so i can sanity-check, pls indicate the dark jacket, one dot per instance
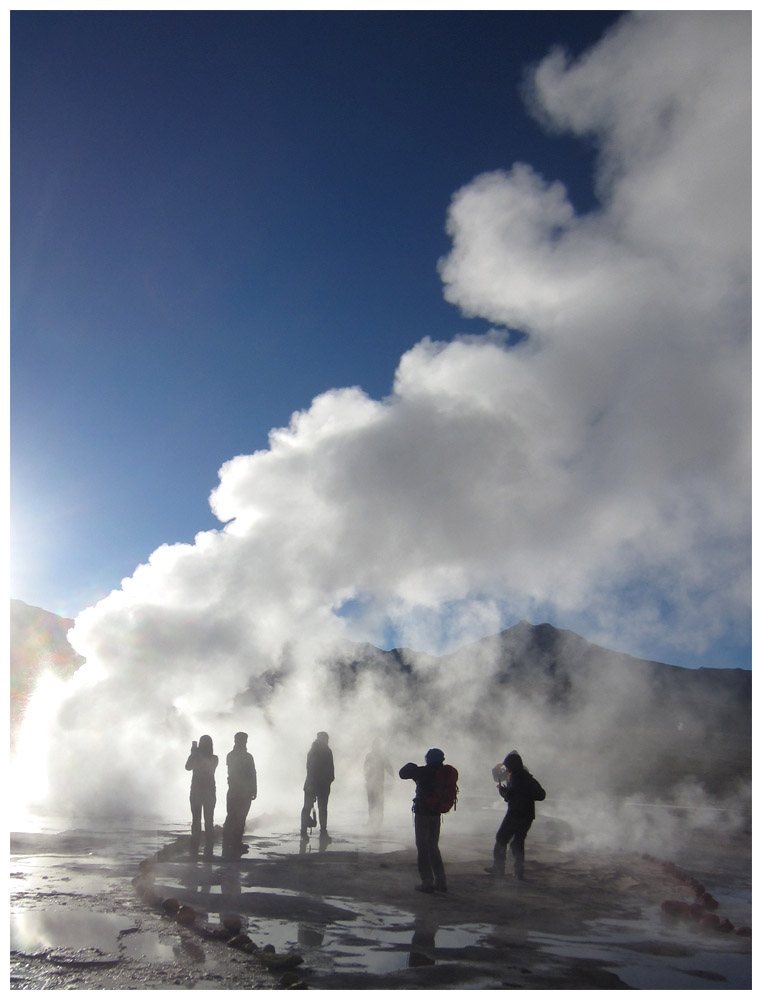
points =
(424, 778)
(521, 793)
(203, 766)
(242, 774)
(319, 767)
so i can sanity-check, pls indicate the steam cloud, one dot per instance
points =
(600, 466)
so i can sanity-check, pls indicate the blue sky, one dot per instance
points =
(218, 217)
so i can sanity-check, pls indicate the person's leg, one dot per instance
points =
(309, 802)
(322, 805)
(517, 850)
(437, 865)
(503, 835)
(244, 805)
(195, 805)
(228, 834)
(372, 805)
(209, 826)
(423, 845)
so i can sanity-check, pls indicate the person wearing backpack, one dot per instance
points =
(520, 790)
(435, 793)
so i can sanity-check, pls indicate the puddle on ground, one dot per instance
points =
(350, 936)
(669, 956)
(376, 939)
(96, 935)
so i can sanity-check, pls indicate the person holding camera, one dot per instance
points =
(203, 793)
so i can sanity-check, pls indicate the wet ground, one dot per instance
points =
(127, 909)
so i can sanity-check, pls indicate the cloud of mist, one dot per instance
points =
(599, 466)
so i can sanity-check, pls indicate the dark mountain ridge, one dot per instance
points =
(630, 723)
(544, 686)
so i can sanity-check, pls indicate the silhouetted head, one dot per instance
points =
(205, 745)
(322, 737)
(434, 756)
(239, 739)
(513, 761)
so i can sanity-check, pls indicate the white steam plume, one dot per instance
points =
(601, 466)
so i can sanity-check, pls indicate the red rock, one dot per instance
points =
(725, 926)
(243, 942)
(710, 921)
(675, 908)
(696, 911)
(744, 931)
(186, 915)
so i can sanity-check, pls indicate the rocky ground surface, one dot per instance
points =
(127, 909)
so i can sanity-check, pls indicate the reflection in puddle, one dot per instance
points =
(70, 929)
(35, 932)
(338, 933)
(378, 940)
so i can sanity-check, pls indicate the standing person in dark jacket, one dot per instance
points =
(317, 785)
(242, 790)
(203, 793)
(520, 790)
(427, 823)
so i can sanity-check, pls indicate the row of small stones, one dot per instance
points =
(230, 930)
(702, 910)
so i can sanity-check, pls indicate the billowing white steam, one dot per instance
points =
(599, 467)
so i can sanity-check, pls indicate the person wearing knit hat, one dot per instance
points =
(520, 790)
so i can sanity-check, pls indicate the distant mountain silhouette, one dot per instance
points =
(632, 724)
(675, 722)
(620, 723)
(38, 643)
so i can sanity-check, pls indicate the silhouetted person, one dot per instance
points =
(520, 790)
(203, 793)
(427, 820)
(242, 790)
(375, 767)
(317, 786)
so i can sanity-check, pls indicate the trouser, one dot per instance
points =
(375, 805)
(235, 821)
(321, 795)
(202, 804)
(513, 833)
(430, 866)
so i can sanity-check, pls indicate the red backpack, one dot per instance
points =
(444, 795)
